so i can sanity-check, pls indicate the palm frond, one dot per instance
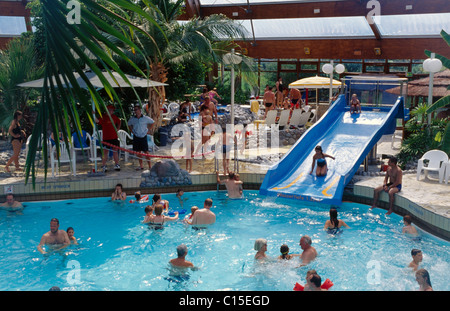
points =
(58, 109)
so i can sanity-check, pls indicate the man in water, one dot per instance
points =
(417, 258)
(203, 217)
(309, 252)
(234, 186)
(181, 261)
(11, 204)
(55, 238)
(392, 184)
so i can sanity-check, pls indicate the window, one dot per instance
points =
(11, 26)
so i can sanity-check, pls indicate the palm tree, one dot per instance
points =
(444, 101)
(17, 64)
(72, 33)
(203, 40)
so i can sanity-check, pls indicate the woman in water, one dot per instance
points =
(423, 278)
(321, 162)
(334, 224)
(157, 221)
(260, 248)
(118, 194)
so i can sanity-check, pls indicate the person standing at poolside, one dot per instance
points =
(17, 139)
(295, 97)
(279, 95)
(417, 258)
(140, 126)
(204, 217)
(181, 261)
(268, 100)
(392, 184)
(110, 126)
(55, 238)
(11, 205)
(309, 252)
(118, 194)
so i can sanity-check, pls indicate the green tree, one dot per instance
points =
(73, 31)
(200, 40)
(444, 101)
(18, 63)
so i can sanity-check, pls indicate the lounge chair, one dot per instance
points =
(436, 162)
(302, 119)
(295, 118)
(284, 118)
(271, 117)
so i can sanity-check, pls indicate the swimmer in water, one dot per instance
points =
(417, 258)
(319, 156)
(180, 261)
(55, 238)
(70, 234)
(118, 194)
(260, 248)
(334, 224)
(11, 205)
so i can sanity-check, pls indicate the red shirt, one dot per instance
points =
(107, 126)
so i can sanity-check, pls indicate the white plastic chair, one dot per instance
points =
(66, 155)
(447, 171)
(123, 136)
(284, 118)
(271, 117)
(437, 160)
(39, 148)
(173, 110)
(295, 118)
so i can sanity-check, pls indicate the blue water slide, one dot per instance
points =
(347, 137)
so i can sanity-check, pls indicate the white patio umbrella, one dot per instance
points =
(115, 79)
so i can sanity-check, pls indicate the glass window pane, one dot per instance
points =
(12, 25)
(353, 67)
(373, 68)
(398, 68)
(412, 25)
(269, 66)
(288, 67)
(323, 27)
(308, 66)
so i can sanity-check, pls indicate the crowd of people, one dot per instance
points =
(157, 214)
(334, 226)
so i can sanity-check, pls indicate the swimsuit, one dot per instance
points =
(399, 186)
(157, 226)
(268, 105)
(334, 230)
(17, 131)
(321, 162)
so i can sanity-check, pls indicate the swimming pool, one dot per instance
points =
(117, 252)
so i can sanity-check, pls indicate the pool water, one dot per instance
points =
(117, 252)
